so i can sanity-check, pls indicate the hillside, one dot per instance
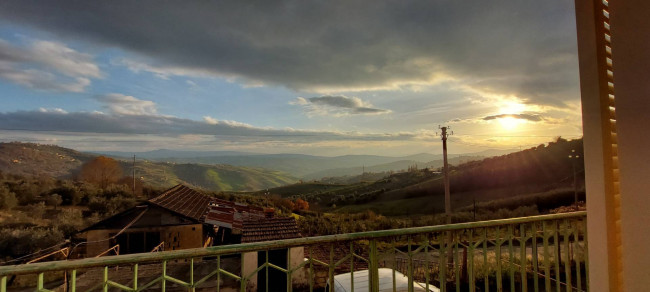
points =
(40, 160)
(210, 177)
(531, 172)
(298, 165)
(306, 167)
(53, 161)
(400, 165)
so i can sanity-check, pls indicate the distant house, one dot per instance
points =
(182, 218)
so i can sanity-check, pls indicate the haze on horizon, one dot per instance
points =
(323, 78)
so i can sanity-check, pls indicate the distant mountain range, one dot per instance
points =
(58, 162)
(306, 166)
(216, 170)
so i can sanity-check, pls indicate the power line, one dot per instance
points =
(78, 244)
(523, 136)
(492, 147)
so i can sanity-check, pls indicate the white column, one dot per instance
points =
(630, 20)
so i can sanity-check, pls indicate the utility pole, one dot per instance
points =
(574, 157)
(444, 136)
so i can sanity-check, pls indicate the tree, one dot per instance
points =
(54, 200)
(301, 204)
(128, 182)
(102, 171)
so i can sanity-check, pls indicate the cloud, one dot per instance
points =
(337, 105)
(57, 120)
(46, 65)
(525, 48)
(213, 121)
(527, 117)
(163, 72)
(127, 105)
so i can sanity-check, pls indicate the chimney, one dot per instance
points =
(269, 212)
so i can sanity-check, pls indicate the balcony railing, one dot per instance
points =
(540, 253)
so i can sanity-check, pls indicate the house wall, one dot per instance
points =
(300, 277)
(175, 237)
(95, 248)
(297, 255)
(248, 266)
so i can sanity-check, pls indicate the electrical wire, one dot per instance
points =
(34, 254)
(115, 235)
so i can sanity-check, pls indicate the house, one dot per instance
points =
(182, 218)
(173, 220)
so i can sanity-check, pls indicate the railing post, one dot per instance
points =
(242, 281)
(164, 276)
(486, 269)
(523, 258)
(374, 266)
(556, 249)
(547, 255)
(511, 258)
(331, 268)
(3, 284)
(289, 271)
(410, 266)
(352, 266)
(105, 284)
(192, 275)
(442, 263)
(40, 282)
(73, 281)
(535, 262)
(135, 277)
(499, 242)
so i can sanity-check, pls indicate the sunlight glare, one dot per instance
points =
(512, 107)
(509, 123)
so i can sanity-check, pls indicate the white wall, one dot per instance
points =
(249, 265)
(630, 21)
(630, 25)
(300, 277)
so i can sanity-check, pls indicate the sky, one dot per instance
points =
(312, 77)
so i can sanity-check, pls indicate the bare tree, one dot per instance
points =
(102, 171)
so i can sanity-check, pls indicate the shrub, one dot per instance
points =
(8, 199)
(18, 242)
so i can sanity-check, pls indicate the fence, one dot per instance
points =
(539, 253)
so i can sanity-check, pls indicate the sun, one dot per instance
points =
(509, 123)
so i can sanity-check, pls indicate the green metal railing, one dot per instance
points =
(540, 253)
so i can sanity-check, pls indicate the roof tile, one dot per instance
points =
(184, 201)
(265, 229)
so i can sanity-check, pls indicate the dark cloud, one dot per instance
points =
(337, 101)
(523, 47)
(58, 120)
(528, 117)
(337, 105)
(368, 110)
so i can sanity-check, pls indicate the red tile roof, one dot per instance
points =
(185, 201)
(231, 216)
(250, 219)
(265, 229)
